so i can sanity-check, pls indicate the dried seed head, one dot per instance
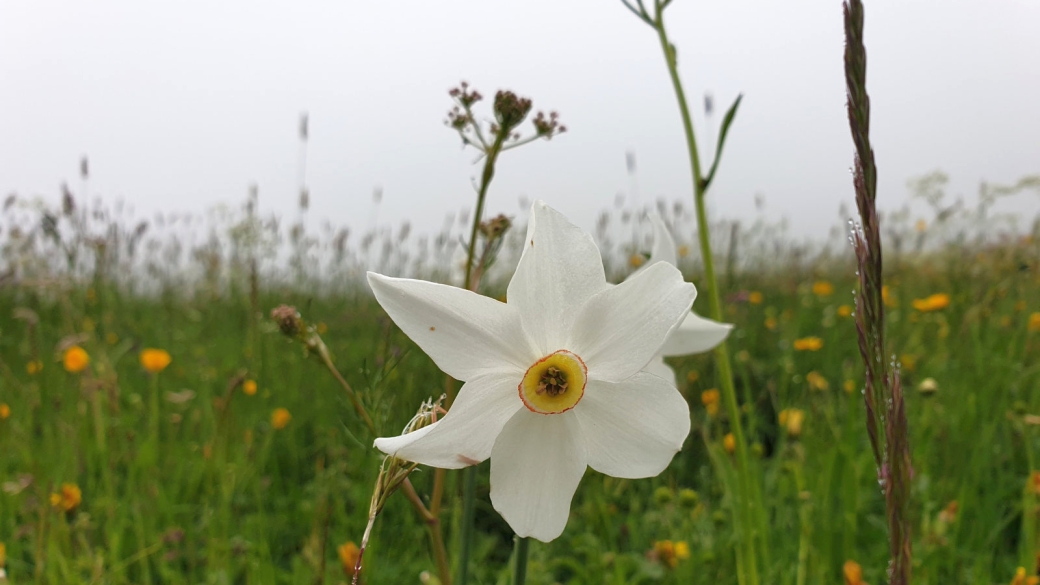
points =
(550, 126)
(495, 227)
(288, 320)
(510, 110)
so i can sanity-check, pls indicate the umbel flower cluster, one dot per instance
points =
(564, 375)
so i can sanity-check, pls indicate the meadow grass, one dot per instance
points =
(216, 494)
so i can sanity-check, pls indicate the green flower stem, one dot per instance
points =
(750, 502)
(469, 498)
(520, 559)
(805, 520)
(154, 411)
(491, 155)
(469, 475)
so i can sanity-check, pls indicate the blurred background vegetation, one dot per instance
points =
(243, 461)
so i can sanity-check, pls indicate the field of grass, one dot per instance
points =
(112, 474)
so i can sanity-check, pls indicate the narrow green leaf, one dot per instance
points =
(726, 121)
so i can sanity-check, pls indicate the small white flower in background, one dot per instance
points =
(553, 378)
(695, 334)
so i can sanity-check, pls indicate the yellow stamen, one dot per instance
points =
(554, 384)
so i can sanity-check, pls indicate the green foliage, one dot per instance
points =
(226, 498)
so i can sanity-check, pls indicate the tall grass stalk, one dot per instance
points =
(749, 510)
(883, 394)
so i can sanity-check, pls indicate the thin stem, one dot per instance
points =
(359, 407)
(805, 520)
(485, 182)
(440, 553)
(520, 559)
(469, 481)
(154, 411)
(749, 502)
(521, 142)
(469, 498)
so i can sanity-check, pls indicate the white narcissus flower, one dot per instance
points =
(553, 377)
(695, 334)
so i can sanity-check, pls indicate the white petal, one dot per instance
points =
(695, 335)
(662, 370)
(664, 246)
(622, 327)
(663, 249)
(559, 271)
(467, 433)
(536, 465)
(465, 334)
(633, 428)
(457, 268)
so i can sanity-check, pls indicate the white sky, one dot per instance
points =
(182, 105)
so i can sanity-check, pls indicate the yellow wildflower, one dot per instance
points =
(949, 513)
(68, 499)
(1034, 321)
(111, 338)
(5, 411)
(817, 381)
(693, 376)
(808, 344)
(75, 359)
(791, 419)
(33, 367)
(844, 310)
(729, 443)
(908, 361)
(1022, 579)
(822, 288)
(853, 573)
(636, 260)
(249, 387)
(155, 360)
(321, 328)
(348, 556)
(755, 297)
(670, 553)
(1033, 485)
(888, 297)
(934, 302)
(850, 386)
(710, 400)
(280, 418)
(3, 555)
(770, 323)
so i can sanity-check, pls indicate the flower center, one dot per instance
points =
(554, 384)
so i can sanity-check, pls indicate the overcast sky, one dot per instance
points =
(182, 105)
